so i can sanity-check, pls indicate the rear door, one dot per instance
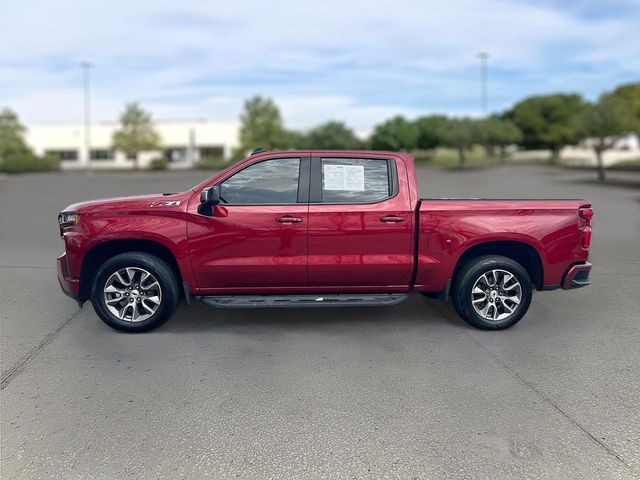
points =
(257, 236)
(360, 224)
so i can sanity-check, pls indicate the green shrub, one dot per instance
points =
(28, 162)
(211, 163)
(158, 164)
(423, 156)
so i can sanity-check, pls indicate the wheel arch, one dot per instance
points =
(521, 252)
(105, 250)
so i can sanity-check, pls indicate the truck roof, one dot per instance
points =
(259, 153)
(403, 155)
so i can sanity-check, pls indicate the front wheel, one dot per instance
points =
(492, 292)
(134, 292)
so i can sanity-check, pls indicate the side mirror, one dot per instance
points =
(208, 198)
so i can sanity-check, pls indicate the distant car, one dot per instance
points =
(316, 229)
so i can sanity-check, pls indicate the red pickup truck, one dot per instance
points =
(315, 229)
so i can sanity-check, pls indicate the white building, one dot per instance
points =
(625, 149)
(183, 142)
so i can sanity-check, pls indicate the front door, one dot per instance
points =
(256, 239)
(360, 228)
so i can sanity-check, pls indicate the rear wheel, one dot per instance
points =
(135, 292)
(492, 292)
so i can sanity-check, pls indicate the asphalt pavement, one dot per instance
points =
(401, 392)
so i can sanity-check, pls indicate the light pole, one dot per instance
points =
(483, 56)
(86, 68)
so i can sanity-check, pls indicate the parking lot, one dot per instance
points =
(404, 392)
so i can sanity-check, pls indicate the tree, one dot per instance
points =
(430, 131)
(292, 139)
(630, 94)
(136, 133)
(15, 154)
(261, 126)
(460, 134)
(603, 123)
(12, 135)
(498, 132)
(395, 134)
(331, 135)
(547, 121)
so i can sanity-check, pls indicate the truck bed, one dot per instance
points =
(448, 227)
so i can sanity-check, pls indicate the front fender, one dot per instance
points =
(167, 229)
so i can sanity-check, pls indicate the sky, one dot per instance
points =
(360, 62)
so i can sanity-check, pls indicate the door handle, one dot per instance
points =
(392, 219)
(288, 219)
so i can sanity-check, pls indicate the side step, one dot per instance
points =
(284, 301)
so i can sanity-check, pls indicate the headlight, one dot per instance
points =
(67, 220)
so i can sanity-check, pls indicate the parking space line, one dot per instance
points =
(33, 353)
(542, 395)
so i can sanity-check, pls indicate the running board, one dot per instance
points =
(284, 301)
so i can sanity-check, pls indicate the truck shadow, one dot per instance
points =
(416, 311)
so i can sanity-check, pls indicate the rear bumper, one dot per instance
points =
(577, 276)
(70, 286)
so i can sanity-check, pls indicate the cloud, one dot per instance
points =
(359, 61)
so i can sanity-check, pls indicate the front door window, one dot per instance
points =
(272, 182)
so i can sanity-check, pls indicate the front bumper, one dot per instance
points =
(577, 276)
(70, 286)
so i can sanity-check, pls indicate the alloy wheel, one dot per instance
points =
(132, 294)
(496, 294)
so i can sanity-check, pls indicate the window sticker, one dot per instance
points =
(343, 177)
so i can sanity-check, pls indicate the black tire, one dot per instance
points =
(471, 272)
(168, 288)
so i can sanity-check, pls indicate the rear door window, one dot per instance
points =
(355, 180)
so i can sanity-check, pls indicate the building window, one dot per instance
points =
(176, 154)
(211, 151)
(63, 155)
(101, 154)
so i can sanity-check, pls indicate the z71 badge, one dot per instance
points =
(173, 203)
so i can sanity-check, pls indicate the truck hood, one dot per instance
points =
(136, 203)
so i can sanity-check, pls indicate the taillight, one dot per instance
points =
(586, 213)
(586, 238)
